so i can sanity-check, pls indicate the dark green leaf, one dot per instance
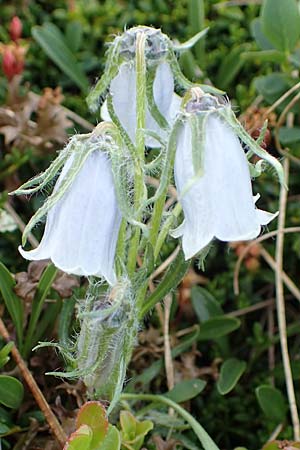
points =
(171, 279)
(272, 86)
(43, 287)
(74, 35)
(196, 20)
(272, 402)
(281, 23)
(204, 304)
(231, 371)
(217, 327)
(53, 43)
(11, 392)
(289, 135)
(185, 390)
(259, 36)
(12, 301)
(231, 66)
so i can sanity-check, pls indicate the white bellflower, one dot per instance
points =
(217, 201)
(124, 92)
(82, 227)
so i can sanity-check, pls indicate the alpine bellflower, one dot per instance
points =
(213, 179)
(83, 216)
(162, 103)
(123, 91)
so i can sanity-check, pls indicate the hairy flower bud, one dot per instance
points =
(15, 28)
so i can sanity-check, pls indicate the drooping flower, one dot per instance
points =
(123, 90)
(216, 196)
(120, 78)
(83, 216)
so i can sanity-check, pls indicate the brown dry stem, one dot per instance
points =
(53, 423)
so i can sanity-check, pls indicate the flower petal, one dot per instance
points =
(264, 217)
(82, 228)
(197, 228)
(231, 190)
(123, 91)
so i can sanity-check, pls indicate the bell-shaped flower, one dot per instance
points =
(217, 201)
(123, 90)
(82, 227)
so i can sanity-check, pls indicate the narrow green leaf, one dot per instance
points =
(12, 301)
(281, 23)
(186, 390)
(74, 35)
(11, 392)
(191, 42)
(272, 402)
(196, 21)
(189, 65)
(258, 35)
(264, 56)
(217, 327)
(65, 322)
(4, 352)
(47, 320)
(42, 291)
(231, 66)
(171, 279)
(53, 43)
(231, 372)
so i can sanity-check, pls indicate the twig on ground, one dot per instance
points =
(19, 222)
(281, 306)
(289, 283)
(281, 99)
(167, 347)
(53, 423)
(169, 367)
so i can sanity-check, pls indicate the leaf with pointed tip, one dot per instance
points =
(190, 42)
(186, 390)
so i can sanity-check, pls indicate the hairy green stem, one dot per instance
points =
(139, 187)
